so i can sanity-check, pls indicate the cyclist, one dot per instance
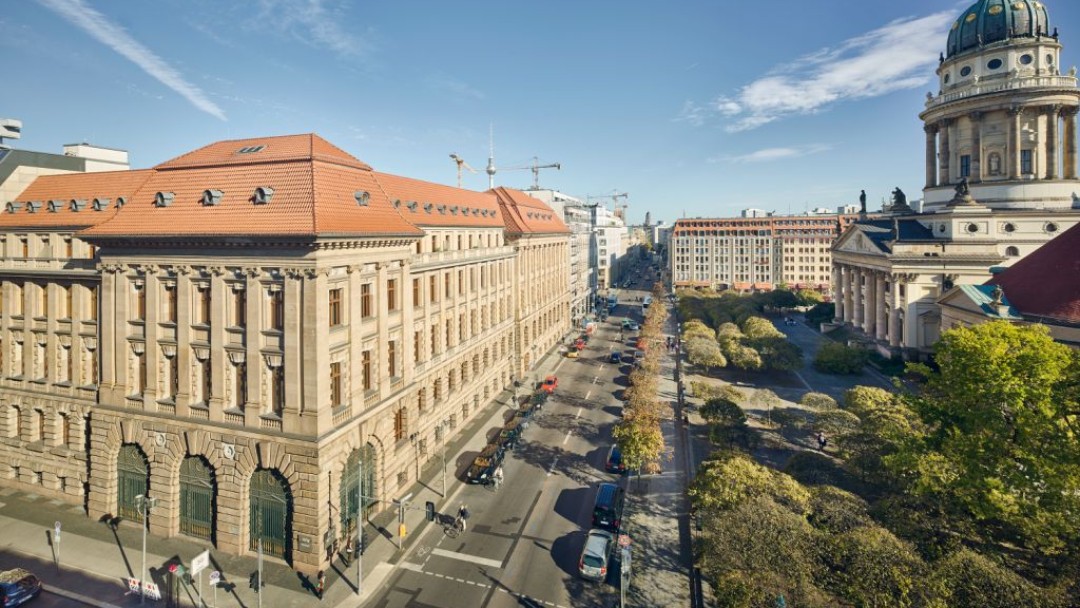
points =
(462, 516)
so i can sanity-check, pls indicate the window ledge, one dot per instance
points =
(64, 383)
(201, 405)
(270, 416)
(40, 381)
(167, 401)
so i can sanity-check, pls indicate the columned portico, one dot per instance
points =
(1052, 141)
(944, 155)
(1070, 142)
(931, 155)
(849, 297)
(857, 295)
(894, 311)
(869, 315)
(838, 293)
(1015, 114)
(879, 306)
(976, 147)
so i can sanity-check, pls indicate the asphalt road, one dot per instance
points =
(523, 541)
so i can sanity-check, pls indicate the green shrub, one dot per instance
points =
(824, 312)
(837, 511)
(965, 578)
(834, 358)
(818, 401)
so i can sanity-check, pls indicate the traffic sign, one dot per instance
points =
(215, 577)
(624, 540)
(200, 562)
(57, 525)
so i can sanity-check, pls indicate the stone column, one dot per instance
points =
(838, 293)
(931, 155)
(106, 322)
(849, 301)
(184, 356)
(976, 147)
(1070, 142)
(219, 296)
(857, 297)
(894, 312)
(944, 157)
(1014, 141)
(870, 306)
(151, 287)
(880, 307)
(1052, 141)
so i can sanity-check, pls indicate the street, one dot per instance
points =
(523, 541)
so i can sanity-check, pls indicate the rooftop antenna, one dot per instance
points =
(491, 157)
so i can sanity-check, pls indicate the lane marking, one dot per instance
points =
(578, 414)
(552, 469)
(601, 367)
(412, 566)
(475, 559)
(587, 393)
(567, 438)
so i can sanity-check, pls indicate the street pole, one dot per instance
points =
(145, 503)
(360, 528)
(258, 588)
(443, 454)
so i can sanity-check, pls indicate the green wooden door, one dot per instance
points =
(133, 479)
(197, 493)
(271, 513)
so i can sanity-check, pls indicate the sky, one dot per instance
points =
(692, 108)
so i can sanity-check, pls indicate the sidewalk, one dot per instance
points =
(96, 560)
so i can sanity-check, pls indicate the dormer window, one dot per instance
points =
(212, 197)
(454, 210)
(77, 204)
(362, 198)
(250, 149)
(412, 206)
(428, 207)
(397, 203)
(98, 204)
(54, 206)
(12, 207)
(120, 201)
(33, 206)
(442, 209)
(262, 195)
(163, 199)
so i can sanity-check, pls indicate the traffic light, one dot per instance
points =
(430, 506)
(253, 581)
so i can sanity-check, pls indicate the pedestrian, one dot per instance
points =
(346, 557)
(463, 515)
(822, 441)
(321, 584)
(498, 477)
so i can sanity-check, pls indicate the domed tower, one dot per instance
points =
(1005, 117)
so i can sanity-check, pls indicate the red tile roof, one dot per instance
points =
(429, 204)
(525, 214)
(1046, 283)
(261, 150)
(73, 195)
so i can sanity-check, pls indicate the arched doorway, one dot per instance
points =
(132, 479)
(271, 513)
(198, 494)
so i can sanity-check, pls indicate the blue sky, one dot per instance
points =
(699, 108)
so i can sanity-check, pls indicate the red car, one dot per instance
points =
(550, 384)
(579, 344)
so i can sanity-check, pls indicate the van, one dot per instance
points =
(608, 508)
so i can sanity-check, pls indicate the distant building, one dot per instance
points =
(582, 274)
(847, 209)
(755, 213)
(608, 245)
(754, 253)
(19, 168)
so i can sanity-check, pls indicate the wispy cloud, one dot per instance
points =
(455, 87)
(317, 23)
(773, 154)
(899, 55)
(115, 37)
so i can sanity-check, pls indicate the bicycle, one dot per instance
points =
(454, 528)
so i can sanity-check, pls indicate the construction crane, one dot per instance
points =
(619, 210)
(535, 167)
(461, 164)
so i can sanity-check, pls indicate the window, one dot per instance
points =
(446, 285)
(335, 384)
(365, 368)
(277, 310)
(65, 302)
(93, 303)
(417, 296)
(335, 307)
(1026, 162)
(365, 300)
(207, 381)
(204, 304)
(391, 294)
(399, 424)
(240, 375)
(965, 165)
(140, 303)
(461, 282)
(43, 300)
(239, 316)
(141, 362)
(25, 242)
(277, 382)
(391, 352)
(65, 430)
(39, 417)
(433, 289)
(68, 248)
(1011, 252)
(174, 377)
(417, 337)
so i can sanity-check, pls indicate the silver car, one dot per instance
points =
(596, 556)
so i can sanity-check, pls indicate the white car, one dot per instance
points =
(596, 555)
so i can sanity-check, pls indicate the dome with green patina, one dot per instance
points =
(990, 21)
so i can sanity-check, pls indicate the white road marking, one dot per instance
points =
(578, 414)
(552, 469)
(558, 364)
(601, 367)
(412, 566)
(594, 380)
(587, 393)
(483, 561)
(567, 438)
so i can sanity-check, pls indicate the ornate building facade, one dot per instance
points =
(1001, 178)
(252, 332)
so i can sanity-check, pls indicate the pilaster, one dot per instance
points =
(945, 158)
(1070, 142)
(976, 146)
(1052, 141)
(931, 155)
(1015, 145)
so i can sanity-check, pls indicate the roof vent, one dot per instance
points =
(250, 149)
(163, 199)
(12, 206)
(33, 206)
(77, 204)
(362, 198)
(212, 197)
(262, 195)
(397, 203)
(53, 206)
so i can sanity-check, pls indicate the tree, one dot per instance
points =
(744, 357)
(729, 480)
(723, 412)
(759, 327)
(869, 566)
(1005, 439)
(696, 329)
(783, 298)
(808, 297)
(965, 578)
(818, 401)
(640, 441)
(863, 399)
(837, 511)
(778, 353)
(705, 353)
(823, 312)
(835, 358)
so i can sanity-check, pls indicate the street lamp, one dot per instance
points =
(144, 504)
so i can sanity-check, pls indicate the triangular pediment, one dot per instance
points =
(854, 240)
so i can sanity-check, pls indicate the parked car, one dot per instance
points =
(626, 323)
(579, 344)
(614, 462)
(633, 326)
(572, 353)
(608, 508)
(550, 384)
(615, 357)
(596, 555)
(484, 465)
(17, 587)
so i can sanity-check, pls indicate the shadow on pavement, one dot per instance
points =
(573, 505)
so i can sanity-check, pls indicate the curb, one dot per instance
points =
(77, 597)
